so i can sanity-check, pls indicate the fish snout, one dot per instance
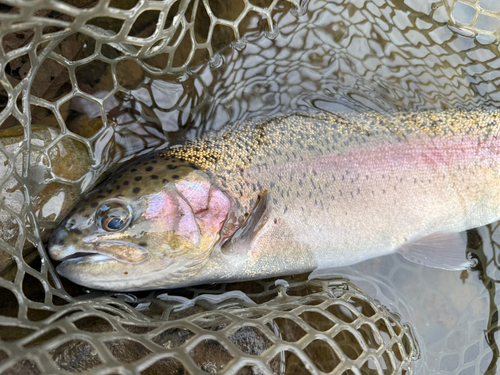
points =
(58, 248)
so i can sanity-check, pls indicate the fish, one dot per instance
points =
(286, 195)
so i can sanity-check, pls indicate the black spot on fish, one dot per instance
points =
(100, 191)
(171, 166)
(149, 169)
(126, 183)
(175, 177)
(154, 177)
(136, 190)
(86, 200)
(133, 170)
(109, 191)
(154, 161)
(100, 196)
(117, 187)
(146, 163)
(94, 204)
(81, 209)
(143, 244)
(138, 178)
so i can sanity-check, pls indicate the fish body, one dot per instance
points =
(288, 195)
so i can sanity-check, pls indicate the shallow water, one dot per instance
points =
(350, 56)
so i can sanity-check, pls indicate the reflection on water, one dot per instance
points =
(379, 55)
(453, 312)
(373, 56)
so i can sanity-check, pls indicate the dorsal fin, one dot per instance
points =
(242, 238)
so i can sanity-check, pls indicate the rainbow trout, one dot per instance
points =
(288, 195)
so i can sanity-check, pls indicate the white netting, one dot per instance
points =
(88, 84)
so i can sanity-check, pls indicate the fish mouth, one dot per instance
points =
(83, 256)
(104, 250)
(77, 255)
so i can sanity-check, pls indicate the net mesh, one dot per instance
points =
(478, 17)
(89, 84)
(329, 327)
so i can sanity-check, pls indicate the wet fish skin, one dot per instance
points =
(339, 189)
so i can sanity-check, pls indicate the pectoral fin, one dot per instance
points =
(445, 250)
(242, 238)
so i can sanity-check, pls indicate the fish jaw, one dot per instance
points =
(102, 272)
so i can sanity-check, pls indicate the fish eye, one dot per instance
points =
(113, 224)
(113, 215)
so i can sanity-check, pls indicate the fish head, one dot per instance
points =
(153, 224)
